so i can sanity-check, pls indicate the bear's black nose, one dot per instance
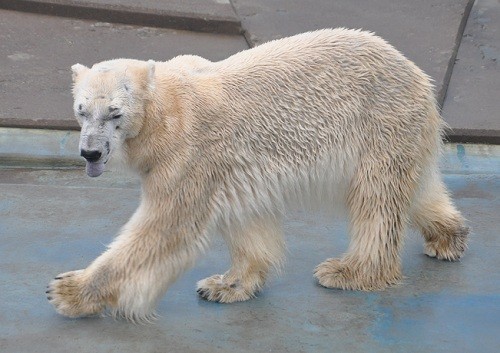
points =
(91, 156)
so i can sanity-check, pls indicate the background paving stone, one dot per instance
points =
(427, 32)
(214, 16)
(37, 52)
(472, 107)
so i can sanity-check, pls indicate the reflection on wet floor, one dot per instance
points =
(58, 220)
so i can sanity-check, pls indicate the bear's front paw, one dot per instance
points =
(218, 288)
(335, 273)
(68, 296)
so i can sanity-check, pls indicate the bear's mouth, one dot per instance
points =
(94, 169)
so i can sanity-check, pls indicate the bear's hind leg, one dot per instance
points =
(441, 224)
(378, 204)
(254, 250)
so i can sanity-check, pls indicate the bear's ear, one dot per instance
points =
(142, 74)
(78, 70)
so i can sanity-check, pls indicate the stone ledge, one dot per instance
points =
(213, 16)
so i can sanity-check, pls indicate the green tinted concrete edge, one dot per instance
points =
(59, 149)
(37, 147)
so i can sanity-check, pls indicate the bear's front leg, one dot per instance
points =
(72, 296)
(254, 249)
(153, 249)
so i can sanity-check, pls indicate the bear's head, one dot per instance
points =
(109, 104)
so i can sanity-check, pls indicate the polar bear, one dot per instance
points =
(331, 116)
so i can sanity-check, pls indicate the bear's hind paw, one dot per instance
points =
(451, 248)
(335, 273)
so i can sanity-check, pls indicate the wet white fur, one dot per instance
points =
(332, 116)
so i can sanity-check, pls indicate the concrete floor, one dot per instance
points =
(58, 220)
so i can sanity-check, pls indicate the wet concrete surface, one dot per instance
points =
(58, 220)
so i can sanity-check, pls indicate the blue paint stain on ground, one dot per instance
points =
(436, 322)
(461, 153)
(62, 142)
(5, 206)
(464, 159)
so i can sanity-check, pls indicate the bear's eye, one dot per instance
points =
(117, 116)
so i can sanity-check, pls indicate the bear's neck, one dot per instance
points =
(164, 137)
